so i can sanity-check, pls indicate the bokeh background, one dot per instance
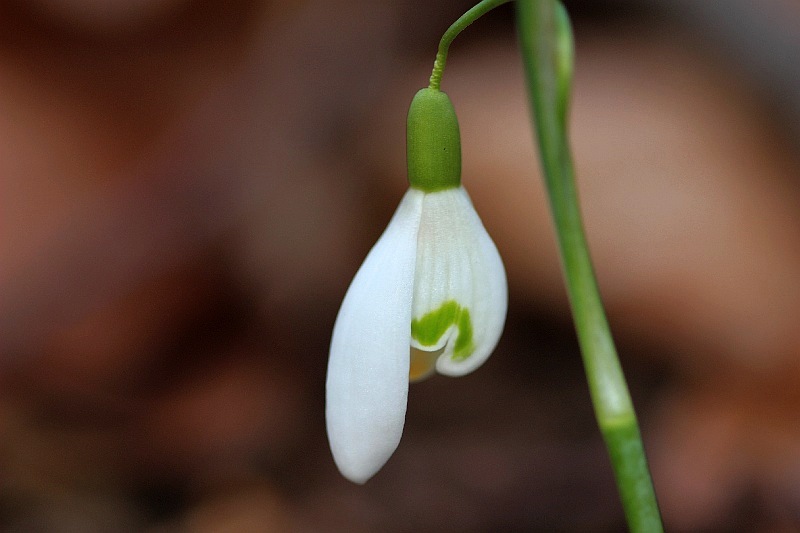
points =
(187, 188)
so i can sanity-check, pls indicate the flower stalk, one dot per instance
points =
(452, 32)
(546, 40)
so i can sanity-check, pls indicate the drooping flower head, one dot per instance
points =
(431, 296)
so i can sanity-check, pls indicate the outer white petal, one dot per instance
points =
(367, 386)
(457, 260)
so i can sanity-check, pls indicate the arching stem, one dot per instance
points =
(452, 32)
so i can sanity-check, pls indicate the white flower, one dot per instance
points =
(430, 296)
(433, 282)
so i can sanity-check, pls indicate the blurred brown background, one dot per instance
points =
(187, 189)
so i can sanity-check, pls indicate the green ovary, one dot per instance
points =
(428, 329)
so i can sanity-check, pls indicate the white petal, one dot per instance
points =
(367, 387)
(458, 269)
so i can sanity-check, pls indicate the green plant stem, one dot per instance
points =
(546, 41)
(452, 32)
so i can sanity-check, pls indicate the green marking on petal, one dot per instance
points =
(429, 329)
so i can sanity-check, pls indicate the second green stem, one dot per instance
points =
(546, 41)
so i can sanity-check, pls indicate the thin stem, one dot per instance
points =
(452, 32)
(546, 41)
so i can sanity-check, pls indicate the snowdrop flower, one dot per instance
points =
(430, 296)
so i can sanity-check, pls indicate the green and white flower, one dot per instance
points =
(431, 296)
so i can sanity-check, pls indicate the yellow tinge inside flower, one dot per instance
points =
(423, 363)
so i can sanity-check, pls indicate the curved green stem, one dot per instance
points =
(452, 32)
(546, 41)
